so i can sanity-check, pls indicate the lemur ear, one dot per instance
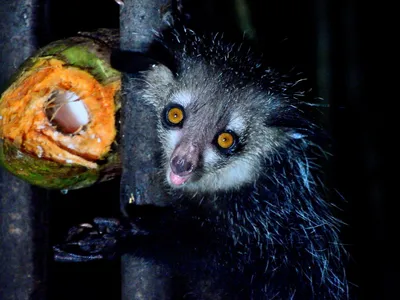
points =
(131, 62)
(154, 72)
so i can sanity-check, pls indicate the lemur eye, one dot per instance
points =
(227, 141)
(174, 115)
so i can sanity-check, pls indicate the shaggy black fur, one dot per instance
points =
(275, 238)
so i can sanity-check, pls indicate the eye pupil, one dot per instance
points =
(175, 115)
(225, 140)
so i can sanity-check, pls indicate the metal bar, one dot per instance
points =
(368, 157)
(23, 239)
(138, 19)
(344, 40)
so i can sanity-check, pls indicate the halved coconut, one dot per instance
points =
(58, 117)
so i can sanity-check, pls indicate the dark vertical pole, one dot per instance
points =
(139, 143)
(323, 51)
(23, 239)
(344, 43)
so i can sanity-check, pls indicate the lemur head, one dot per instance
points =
(214, 128)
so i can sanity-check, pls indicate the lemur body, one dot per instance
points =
(244, 217)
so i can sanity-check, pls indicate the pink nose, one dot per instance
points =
(181, 166)
(184, 159)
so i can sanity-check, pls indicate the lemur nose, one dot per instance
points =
(181, 165)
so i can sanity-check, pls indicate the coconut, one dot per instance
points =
(58, 117)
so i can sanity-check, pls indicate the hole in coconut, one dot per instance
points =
(66, 112)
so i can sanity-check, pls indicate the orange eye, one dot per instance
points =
(175, 115)
(225, 140)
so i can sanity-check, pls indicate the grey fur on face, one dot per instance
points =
(213, 103)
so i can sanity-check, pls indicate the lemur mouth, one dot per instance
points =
(176, 179)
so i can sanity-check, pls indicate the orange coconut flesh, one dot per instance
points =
(23, 117)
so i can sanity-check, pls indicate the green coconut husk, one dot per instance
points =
(59, 115)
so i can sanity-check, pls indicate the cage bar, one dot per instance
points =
(23, 208)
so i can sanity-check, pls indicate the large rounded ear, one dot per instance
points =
(159, 82)
(131, 62)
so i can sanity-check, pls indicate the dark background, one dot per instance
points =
(332, 42)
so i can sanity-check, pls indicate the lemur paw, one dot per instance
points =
(91, 241)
